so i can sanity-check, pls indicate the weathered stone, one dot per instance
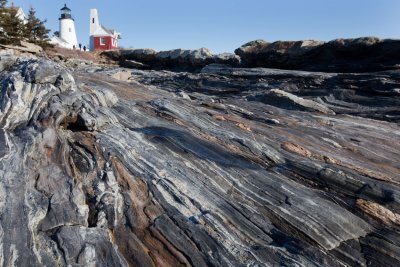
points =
(177, 59)
(6, 61)
(29, 47)
(228, 59)
(290, 101)
(142, 55)
(105, 167)
(24, 47)
(133, 64)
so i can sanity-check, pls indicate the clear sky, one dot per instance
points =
(224, 25)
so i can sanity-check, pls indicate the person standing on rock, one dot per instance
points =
(80, 47)
(84, 48)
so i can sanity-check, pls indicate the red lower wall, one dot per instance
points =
(108, 43)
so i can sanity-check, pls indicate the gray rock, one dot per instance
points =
(288, 100)
(134, 65)
(142, 55)
(177, 59)
(228, 59)
(24, 47)
(6, 61)
(183, 95)
(104, 172)
(32, 48)
(88, 247)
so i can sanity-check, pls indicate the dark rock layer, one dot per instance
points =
(180, 169)
(178, 59)
(366, 54)
(340, 55)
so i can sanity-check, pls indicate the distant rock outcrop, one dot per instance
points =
(142, 55)
(368, 54)
(177, 59)
(340, 55)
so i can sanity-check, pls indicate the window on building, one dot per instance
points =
(93, 20)
(102, 40)
(70, 30)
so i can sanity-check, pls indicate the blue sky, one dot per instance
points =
(224, 25)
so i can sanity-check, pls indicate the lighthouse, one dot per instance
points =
(66, 37)
(67, 27)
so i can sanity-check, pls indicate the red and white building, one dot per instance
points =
(101, 38)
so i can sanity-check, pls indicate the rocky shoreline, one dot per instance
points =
(217, 166)
(178, 59)
(367, 54)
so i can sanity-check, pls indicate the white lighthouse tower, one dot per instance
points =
(67, 32)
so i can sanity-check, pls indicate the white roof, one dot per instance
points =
(55, 40)
(103, 31)
(20, 14)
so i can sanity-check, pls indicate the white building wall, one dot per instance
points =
(21, 15)
(94, 21)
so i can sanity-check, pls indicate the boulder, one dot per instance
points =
(24, 47)
(184, 59)
(280, 54)
(32, 48)
(287, 100)
(122, 75)
(7, 52)
(133, 64)
(115, 55)
(6, 61)
(227, 59)
(146, 55)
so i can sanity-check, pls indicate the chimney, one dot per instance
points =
(94, 21)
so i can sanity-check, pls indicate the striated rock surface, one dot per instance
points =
(102, 166)
(341, 55)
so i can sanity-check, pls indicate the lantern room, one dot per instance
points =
(65, 13)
